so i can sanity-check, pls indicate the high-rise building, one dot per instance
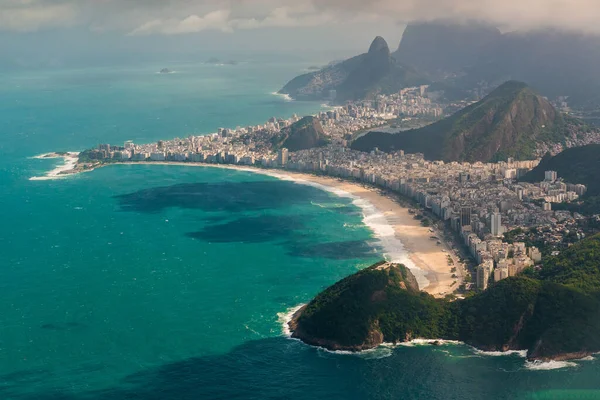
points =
(282, 157)
(496, 223)
(500, 273)
(550, 176)
(465, 216)
(483, 274)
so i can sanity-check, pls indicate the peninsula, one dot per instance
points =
(552, 313)
(505, 280)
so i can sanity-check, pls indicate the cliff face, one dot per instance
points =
(307, 133)
(365, 309)
(362, 76)
(509, 122)
(554, 315)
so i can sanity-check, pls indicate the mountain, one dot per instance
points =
(509, 122)
(460, 56)
(574, 165)
(359, 77)
(442, 48)
(558, 63)
(553, 314)
(377, 304)
(306, 133)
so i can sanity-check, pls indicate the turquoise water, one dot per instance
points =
(159, 282)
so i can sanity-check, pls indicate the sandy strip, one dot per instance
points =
(61, 171)
(402, 237)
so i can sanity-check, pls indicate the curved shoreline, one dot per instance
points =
(285, 318)
(403, 239)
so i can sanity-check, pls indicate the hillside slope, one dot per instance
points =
(509, 122)
(574, 165)
(304, 134)
(553, 314)
(359, 77)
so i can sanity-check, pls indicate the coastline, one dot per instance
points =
(418, 251)
(402, 237)
(70, 160)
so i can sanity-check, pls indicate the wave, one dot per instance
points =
(520, 353)
(425, 342)
(386, 349)
(285, 97)
(70, 160)
(284, 319)
(548, 365)
(374, 219)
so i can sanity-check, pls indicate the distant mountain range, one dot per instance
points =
(510, 122)
(359, 77)
(441, 49)
(459, 57)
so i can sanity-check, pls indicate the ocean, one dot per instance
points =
(173, 282)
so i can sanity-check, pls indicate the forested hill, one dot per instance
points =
(509, 122)
(553, 313)
(574, 165)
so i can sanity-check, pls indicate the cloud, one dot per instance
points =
(280, 17)
(576, 15)
(189, 16)
(28, 15)
(215, 20)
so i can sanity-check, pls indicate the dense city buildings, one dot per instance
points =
(479, 201)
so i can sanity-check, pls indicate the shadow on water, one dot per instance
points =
(348, 250)
(222, 196)
(278, 368)
(258, 229)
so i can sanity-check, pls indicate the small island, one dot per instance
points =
(552, 313)
(165, 71)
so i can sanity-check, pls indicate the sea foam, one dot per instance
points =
(284, 319)
(548, 365)
(284, 96)
(394, 250)
(520, 353)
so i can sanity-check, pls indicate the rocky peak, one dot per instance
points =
(379, 46)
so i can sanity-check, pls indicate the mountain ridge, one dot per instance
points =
(507, 123)
(553, 313)
(356, 78)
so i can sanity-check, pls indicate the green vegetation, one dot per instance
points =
(551, 313)
(509, 122)
(304, 134)
(382, 298)
(574, 165)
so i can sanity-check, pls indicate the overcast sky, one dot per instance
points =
(86, 27)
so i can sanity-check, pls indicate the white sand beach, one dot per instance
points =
(402, 237)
